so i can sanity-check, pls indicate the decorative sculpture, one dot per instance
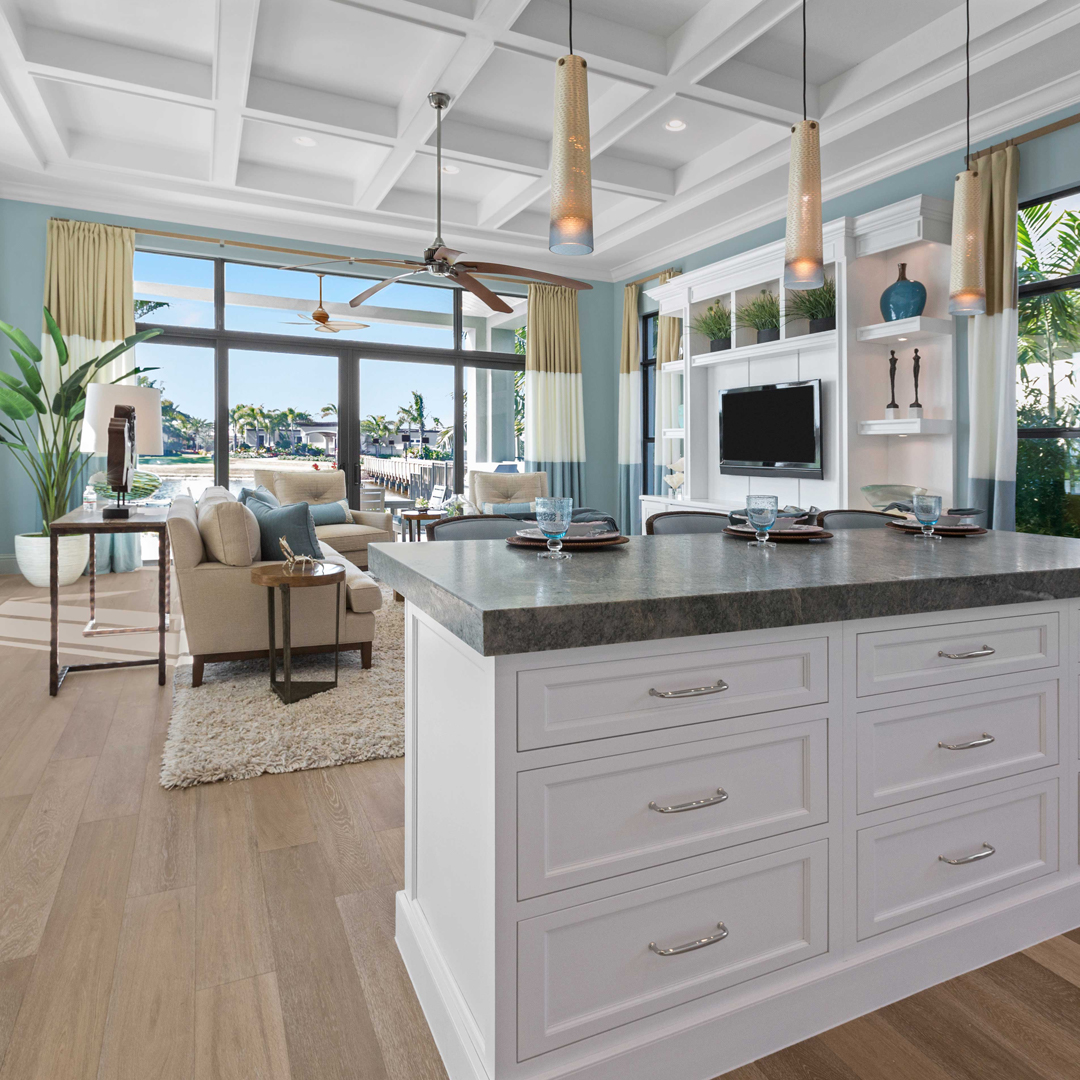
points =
(892, 410)
(121, 458)
(292, 560)
(915, 408)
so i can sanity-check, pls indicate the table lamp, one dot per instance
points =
(110, 430)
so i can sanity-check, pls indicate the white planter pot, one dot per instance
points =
(32, 555)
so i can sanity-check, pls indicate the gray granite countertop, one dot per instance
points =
(501, 600)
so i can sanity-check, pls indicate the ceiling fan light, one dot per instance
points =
(803, 264)
(571, 231)
(967, 280)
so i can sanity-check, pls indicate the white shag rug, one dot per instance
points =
(234, 726)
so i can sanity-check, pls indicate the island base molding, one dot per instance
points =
(704, 1044)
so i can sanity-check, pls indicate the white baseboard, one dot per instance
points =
(8, 564)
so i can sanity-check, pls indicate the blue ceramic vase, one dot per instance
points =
(903, 299)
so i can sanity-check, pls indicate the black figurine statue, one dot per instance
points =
(918, 363)
(892, 379)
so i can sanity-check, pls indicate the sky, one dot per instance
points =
(278, 380)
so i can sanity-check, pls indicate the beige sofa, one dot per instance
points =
(350, 539)
(506, 487)
(214, 546)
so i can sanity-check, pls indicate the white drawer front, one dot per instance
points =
(592, 819)
(589, 968)
(986, 736)
(596, 701)
(891, 660)
(902, 877)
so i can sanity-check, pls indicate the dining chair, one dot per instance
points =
(854, 519)
(685, 521)
(474, 527)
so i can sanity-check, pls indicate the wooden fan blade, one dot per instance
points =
(356, 301)
(347, 325)
(485, 294)
(519, 271)
(449, 254)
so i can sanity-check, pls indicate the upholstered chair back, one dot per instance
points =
(475, 527)
(507, 487)
(303, 485)
(184, 537)
(685, 521)
(854, 519)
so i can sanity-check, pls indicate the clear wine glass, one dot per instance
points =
(761, 513)
(927, 510)
(553, 517)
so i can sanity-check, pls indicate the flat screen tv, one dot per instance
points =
(772, 430)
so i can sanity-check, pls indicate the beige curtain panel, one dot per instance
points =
(628, 505)
(554, 411)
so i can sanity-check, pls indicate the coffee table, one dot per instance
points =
(274, 576)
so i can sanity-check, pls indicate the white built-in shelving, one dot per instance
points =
(906, 425)
(915, 330)
(674, 433)
(757, 350)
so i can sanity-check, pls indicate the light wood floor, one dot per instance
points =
(245, 930)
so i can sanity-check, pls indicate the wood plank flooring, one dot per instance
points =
(243, 930)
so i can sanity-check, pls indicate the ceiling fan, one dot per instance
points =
(442, 261)
(321, 318)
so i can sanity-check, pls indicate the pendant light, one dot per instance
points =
(803, 264)
(571, 231)
(967, 281)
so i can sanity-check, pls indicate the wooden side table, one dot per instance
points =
(274, 576)
(412, 522)
(143, 519)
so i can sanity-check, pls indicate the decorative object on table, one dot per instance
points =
(438, 497)
(761, 514)
(421, 503)
(714, 323)
(762, 313)
(121, 422)
(927, 510)
(879, 496)
(915, 408)
(816, 306)
(789, 534)
(55, 466)
(789, 515)
(892, 410)
(553, 516)
(292, 561)
(454, 506)
(234, 726)
(904, 298)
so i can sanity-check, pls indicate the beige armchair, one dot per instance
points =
(225, 615)
(508, 487)
(350, 539)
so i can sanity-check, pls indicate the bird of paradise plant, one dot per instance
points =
(49, 453)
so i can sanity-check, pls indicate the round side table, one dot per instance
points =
(412, 522)
(274, 576)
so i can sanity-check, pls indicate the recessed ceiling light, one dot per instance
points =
(450, 170)
(304, 140)
(901, 339)
(675, 125)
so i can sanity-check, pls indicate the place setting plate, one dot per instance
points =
(787, 534)
(913, 528)
(583, 536)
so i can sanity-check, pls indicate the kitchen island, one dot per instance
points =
(673, 806)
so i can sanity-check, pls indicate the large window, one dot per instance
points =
(1047, 396)
(252, 381)
(648, 403)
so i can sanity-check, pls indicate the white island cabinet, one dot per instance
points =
(664, 816)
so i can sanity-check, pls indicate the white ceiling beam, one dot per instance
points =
(735, 83)
(236, 24)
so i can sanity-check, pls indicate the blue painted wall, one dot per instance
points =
(22, 277)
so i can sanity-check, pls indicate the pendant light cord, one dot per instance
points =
(804, 59)
(967, 78)
(571, 34)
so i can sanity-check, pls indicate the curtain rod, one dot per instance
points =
(1046, 129)
(649, 277)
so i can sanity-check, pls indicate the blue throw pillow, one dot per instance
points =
(293, 522)
(261, 493)
(334, 513)
(508, 508)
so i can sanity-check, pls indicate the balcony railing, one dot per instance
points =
(410, 477)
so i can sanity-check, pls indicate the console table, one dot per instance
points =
(142, 519)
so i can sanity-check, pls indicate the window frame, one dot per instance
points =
(348, 354)
(648, 417)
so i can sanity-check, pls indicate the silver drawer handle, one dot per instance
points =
(695, 691)
(986, 852)
(986, 740)
(680, 808)
(690, 946)
(973, 655)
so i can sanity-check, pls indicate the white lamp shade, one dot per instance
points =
(803, 266)
(102, 399)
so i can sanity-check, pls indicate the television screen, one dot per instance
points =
(771, 430)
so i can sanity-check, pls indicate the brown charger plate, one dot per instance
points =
(784, 536)
(568, 545)
(939, 530)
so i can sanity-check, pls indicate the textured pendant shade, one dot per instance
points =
(967, 281)
(803, 266)
(571, 230)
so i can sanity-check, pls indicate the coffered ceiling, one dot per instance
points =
(309, 119)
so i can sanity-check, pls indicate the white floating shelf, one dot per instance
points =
(674, 367)
(783, 347)
(905, 426)
(899, 331)
(674, 433)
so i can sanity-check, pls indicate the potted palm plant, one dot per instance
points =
(762, 313)
(817, 306)
(715, 324)
(48, 450)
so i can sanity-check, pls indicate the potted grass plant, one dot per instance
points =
(762, 313)
(42, 431)
(817, 306)
(715, 324)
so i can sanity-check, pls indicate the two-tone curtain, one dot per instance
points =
(627, 502)
(668, 340)
(992, 349)
(554, 411)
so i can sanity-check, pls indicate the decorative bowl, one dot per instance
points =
(880, 495)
